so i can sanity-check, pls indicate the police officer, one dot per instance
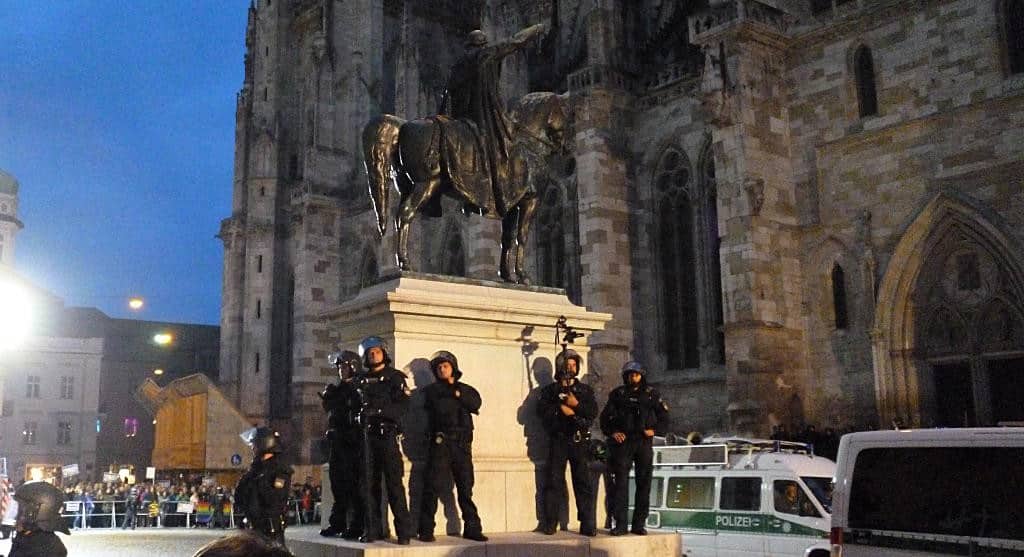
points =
(385, 398)
(342, 403)
(567, 408)
(262, 492)
(38, 518)
(450, 405)
(635, 413)
(131, 509)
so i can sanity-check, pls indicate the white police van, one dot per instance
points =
(731, 497)
(957, 491)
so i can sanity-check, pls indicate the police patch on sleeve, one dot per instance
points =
(280, 482)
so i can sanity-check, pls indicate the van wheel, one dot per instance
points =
(819, 553)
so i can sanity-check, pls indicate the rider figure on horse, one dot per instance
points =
(472, 95)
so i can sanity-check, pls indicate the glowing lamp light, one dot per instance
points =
(35, 473)
(163, 339)
(158, 371)
(136, 303)
(15, 315)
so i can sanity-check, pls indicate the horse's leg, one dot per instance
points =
(526, 208)
(421, 192)
(508, 237)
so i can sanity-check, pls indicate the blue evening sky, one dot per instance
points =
(117, 118)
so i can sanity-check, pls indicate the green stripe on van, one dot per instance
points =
(735, 522)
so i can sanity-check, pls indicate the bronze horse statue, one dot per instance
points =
(431, 157)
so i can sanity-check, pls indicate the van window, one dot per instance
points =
(791, 499)
(821, 488)
(740, 494)
(691, 493)
(657, 491)
(955, 491)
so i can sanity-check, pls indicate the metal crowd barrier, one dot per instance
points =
(110, 514)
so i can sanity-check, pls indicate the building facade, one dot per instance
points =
(798, 211)
(68, 375)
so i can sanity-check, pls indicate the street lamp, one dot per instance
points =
(163, 339)
(158, 371)
(135, 303)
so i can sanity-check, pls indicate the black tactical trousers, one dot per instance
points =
(384, 463)
(636, 452)
(561, 450)
(348, 510)
(453, 456)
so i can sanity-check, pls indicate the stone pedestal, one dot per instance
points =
(305, 542)
(504, 339)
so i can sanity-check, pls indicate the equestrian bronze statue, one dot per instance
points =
(472, 151)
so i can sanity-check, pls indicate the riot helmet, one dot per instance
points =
(263, 440)
(630, 368)
(476, 37)
(373, 342)
(445, 356)
(562, 371)
(39, 505)
(343, 358)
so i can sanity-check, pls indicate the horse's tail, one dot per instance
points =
(380, 137)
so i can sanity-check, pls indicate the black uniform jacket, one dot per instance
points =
(342, 403)
(263, 491)
(448, 413)
(386, 396)
(632, 410)
(557, 423)
(37, 544)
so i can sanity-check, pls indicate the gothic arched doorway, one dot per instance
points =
(949, 335)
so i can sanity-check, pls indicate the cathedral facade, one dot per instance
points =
(798, 211)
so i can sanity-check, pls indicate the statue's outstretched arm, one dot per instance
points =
(500, 50)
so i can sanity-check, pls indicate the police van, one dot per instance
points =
(957, 491)
(732, 497)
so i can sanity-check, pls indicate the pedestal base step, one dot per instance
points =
(306, 542)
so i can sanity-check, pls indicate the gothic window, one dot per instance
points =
(551, 239)
(864, 71)
(368, 273)
(1000, 326)
(675, 241)
(839, 297)
(131, 426)
(1013, 25)
(453, 259)
(945, 332)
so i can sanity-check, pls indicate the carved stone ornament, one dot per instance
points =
(754, 187)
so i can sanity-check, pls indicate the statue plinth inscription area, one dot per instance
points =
(504, 337)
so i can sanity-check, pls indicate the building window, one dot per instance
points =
(259, 263)
(131, 427)
(64, 433)
(259, 309)
(676, 254)
(293, 167)
(712, 259)
(32, 387)
(864, 70)
(29, 435)
(1013, 21)
(257, 363)
(67, 387)
(839, 297)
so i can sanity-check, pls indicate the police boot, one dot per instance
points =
(330, 532)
